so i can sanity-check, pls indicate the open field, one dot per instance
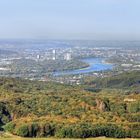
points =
(63, 139)
(8, 136)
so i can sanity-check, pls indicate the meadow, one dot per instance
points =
(8, 136)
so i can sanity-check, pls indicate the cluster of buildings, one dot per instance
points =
(124, 58)
(51, 54)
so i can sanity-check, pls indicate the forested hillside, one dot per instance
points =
(127, 80)
(42, 109)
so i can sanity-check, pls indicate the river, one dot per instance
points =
(95, 64)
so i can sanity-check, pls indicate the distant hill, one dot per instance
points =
(129, 80)
(7, 52)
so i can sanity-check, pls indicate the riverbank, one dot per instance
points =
(95, 64)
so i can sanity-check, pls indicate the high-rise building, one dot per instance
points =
(38, 56)
(54, 55)
(67, 56)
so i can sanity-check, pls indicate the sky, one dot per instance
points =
(70, 19)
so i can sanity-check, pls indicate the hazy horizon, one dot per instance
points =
(70, 20)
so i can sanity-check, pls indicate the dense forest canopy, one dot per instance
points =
(43, 109)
